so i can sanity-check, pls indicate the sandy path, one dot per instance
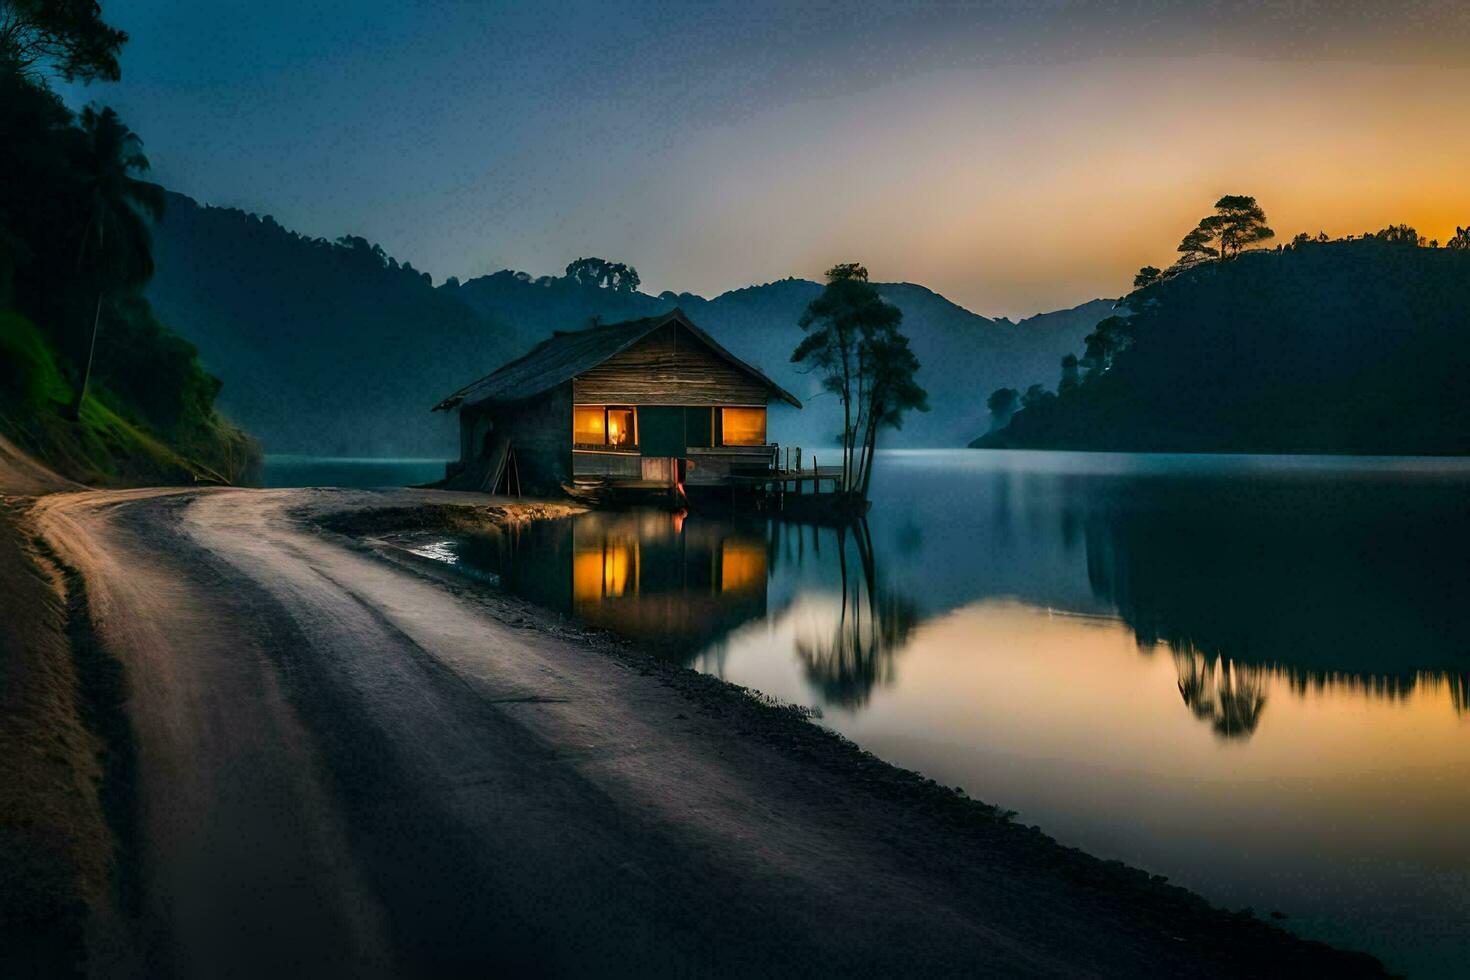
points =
(346, 768)
(23, 476)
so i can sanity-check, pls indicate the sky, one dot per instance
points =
(1015, 156)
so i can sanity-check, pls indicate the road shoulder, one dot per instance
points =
(56, 848)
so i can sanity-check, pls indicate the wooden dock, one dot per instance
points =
(807, 494)
(795, 491)
(808, 480)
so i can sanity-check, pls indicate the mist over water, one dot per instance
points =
(1246, 673)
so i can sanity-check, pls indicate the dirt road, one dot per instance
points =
(344, 767)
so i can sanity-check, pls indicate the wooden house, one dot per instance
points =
(647, 402)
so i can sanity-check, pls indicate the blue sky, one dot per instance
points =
(1015, 156)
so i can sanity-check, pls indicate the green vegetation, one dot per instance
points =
(1347, 346)
(67, 37)
(326, 347)
(603, 274)
(101, 445)
(90, 381)
(854, 343)
(117, 246)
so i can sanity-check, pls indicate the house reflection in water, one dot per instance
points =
(673, 584)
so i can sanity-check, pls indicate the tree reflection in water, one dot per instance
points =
(1228, 695)
(1356, 583)
(873, 623)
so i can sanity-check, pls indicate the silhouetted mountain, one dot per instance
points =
(323, 347)
(535, 307)
(1336, 347)
(336, 348)
(962, 355)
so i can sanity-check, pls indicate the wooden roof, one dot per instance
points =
(567, 354)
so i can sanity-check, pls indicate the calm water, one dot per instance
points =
(336, 471)
(1248, 674)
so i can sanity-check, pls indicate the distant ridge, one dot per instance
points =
(336, 348)
(324, 347)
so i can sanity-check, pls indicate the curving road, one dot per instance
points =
(345, 767)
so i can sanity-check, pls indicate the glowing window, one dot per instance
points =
(605, 571)
(743, 426)
(621, 427)
(618, 569)
(742, 566)
(587, 576)
(587, 425)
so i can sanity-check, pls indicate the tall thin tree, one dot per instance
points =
(853, 338)
(116, 247)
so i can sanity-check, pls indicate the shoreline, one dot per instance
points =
(959, 852)
(789, 728)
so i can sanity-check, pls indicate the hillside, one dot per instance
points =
(149, 418)
(74, 249)
(324, 347)
(1354, 346)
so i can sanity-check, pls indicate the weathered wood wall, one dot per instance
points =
(624, 465)
(712, 467)
(668, 367)
(540, 430)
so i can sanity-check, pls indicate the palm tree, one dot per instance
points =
(116, 243)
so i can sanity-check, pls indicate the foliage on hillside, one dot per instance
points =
(163, 437)
(149, 416)
(330, 347)
(1354, 346)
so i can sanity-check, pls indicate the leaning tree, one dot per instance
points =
(116, 247)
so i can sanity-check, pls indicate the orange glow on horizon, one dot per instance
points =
(1018, 189)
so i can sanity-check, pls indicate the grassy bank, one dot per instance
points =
(113, 442)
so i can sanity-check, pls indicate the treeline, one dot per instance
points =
(1352, 345)
(327, 347)
(90, 379)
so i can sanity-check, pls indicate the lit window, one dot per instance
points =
(618, 566)
(742, 566)
(606, 570)
(587, 576)
(587, 425)
(743, 426)
(620, 427)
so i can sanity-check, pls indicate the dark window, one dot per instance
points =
(699, 426)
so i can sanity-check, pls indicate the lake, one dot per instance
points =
(342, 471)
(1246, 673)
